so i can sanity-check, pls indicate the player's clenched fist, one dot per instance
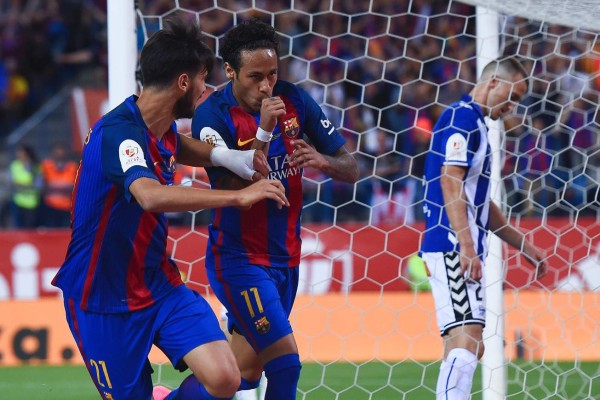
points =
(263, 189)
(271, 109)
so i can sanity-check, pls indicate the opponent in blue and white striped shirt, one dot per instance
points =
(459, 214)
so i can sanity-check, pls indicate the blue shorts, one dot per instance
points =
(258, 300)
(115, 347)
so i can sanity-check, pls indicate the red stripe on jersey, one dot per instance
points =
(79, 342)
(170, 143)
(138, 294)
(215, 247)
(100, 232)
(173, 275)
(244, 126)
(294, 192)
(254, 233)
(253, 222)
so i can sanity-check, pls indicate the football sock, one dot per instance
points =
(247, 390)
(282, 375)
(246, 395)
(456, 375)
(192, 389)
(246, 384)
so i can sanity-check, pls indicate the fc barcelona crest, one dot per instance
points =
(291, 127)
(262, 325)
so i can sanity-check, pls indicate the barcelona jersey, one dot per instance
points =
(263, 234)
(116, 258)
(460, 138)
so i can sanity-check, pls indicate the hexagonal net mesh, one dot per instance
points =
(383, 71)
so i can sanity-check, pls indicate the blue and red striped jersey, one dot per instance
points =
(262, 235)
(116, 260)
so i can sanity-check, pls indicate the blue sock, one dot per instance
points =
(283, 374)
(192, 389)
(248, 385)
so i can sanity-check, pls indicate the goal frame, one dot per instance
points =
(122, 61)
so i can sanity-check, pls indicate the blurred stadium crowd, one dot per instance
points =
(417, 61)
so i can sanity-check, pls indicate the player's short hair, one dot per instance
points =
(247, 36)
(509, 68)
(176, 49)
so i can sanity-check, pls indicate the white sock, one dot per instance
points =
(456, 375)
(246, 394)
(263, 387)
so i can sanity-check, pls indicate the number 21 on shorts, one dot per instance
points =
(100, 367)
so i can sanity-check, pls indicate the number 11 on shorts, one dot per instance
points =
(254, 290)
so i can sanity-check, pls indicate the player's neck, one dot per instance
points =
(156, 113)
(479, 95)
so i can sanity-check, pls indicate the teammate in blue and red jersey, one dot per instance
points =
(253, 255)
(122, 292)
(459, 214)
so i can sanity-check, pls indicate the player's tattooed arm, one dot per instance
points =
(340, 166)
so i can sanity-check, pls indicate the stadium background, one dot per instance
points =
(383, 70)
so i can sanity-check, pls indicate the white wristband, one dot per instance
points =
(239, 162)
(263, 135)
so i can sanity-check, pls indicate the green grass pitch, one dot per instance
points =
(335, 381)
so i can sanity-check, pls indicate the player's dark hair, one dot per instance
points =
(176, 49)
(506, 67)
(247, 36)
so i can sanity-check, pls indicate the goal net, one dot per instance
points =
(383, 70)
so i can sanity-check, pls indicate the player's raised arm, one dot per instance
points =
(271, 109)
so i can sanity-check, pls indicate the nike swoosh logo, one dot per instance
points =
(242, 143)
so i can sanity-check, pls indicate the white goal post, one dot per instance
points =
(122, 51)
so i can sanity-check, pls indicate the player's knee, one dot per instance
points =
(224, 383)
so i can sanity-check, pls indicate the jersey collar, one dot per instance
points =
(135, 110)
(469, 100)
(228, 93)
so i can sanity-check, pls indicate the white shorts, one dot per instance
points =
(457, 302)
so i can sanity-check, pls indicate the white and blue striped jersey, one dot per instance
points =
(460, 137)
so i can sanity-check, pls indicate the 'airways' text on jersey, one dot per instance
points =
(280, 169)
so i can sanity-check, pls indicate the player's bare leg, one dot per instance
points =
(215, 374)
(463, 346)
(281, 357)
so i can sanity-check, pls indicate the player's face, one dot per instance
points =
(256, 78)
(186, 104)
(504, 97)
